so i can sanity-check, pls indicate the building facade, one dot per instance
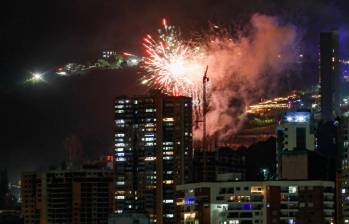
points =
(153, 153)
(329, 75)
(218, 162)
(283, 202)
(81, 196)
(295, 139)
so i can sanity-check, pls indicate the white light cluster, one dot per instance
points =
(297, 118)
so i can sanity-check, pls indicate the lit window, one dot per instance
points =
(168, 119)
(120, 183)
(167, 181)
(149, 158)
(292, 189)
(120, 197)
(120, 121)
(167, 201)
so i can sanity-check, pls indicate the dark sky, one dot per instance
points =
(40, 35)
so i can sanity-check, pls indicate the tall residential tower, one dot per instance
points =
(329, 75)
(153, 153)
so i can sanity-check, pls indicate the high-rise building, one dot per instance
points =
(153, 153)
(343, 174)
(65, 196)
(267, 202)
(295, 137)
(329, 75)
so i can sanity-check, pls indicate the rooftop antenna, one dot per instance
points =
(205, 80)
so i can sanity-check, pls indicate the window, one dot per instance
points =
(300, 138)
(292, 189)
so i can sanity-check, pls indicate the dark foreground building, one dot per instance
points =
(220, 162)
(64, 196)
(329, 75)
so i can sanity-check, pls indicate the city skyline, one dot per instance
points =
(66, 104)
(190, 112)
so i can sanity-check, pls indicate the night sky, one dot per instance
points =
(41, 35)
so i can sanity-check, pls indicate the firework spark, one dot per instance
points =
(173, 65)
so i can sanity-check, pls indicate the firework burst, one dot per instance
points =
(172, 65)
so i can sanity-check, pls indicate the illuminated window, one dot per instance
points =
(168, 153)
(233, 221)
(120, 183)
(120, 197)
(168, 119)
(292, 189)
(120, 121)
(149, 158)
(167, 181)
(256, 189)
(167, 201)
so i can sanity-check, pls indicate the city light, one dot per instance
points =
(278, 103)
(36, 77)
(297, 117)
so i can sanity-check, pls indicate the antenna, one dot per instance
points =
(205, 79)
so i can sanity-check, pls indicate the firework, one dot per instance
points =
(172, 64)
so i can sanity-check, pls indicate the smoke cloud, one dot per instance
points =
(244, 69)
